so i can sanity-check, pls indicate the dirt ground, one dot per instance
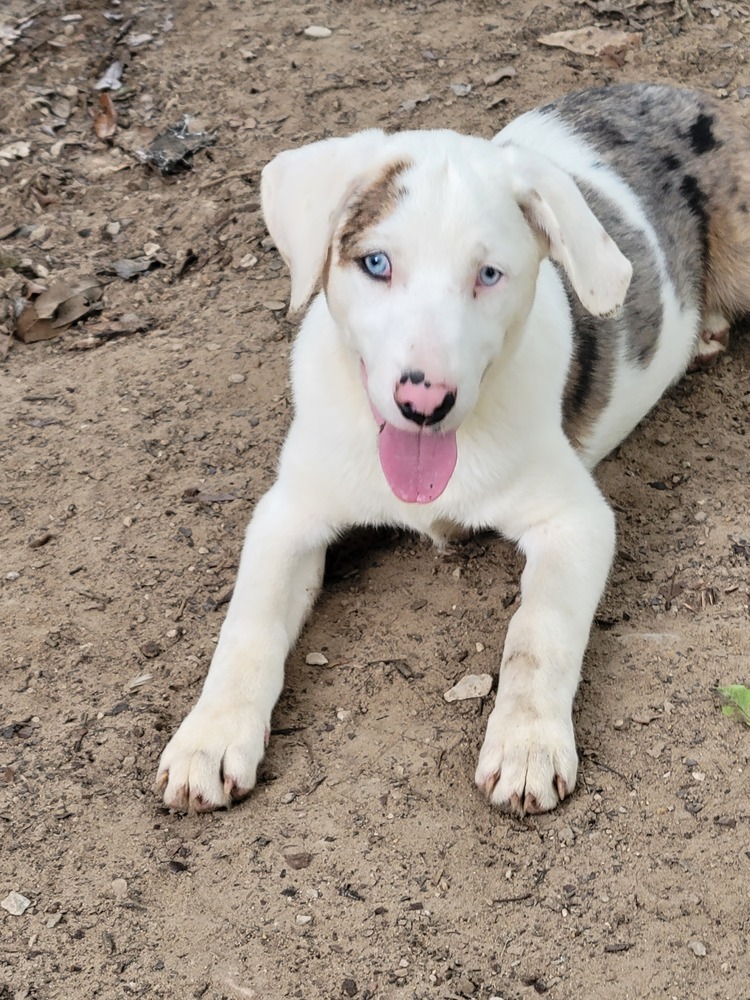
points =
(366, 864)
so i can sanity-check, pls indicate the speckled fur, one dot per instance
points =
(687, 157)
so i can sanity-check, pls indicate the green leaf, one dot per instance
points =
(738, 698)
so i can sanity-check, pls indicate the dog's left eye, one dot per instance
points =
(377, 265)
(488, 275)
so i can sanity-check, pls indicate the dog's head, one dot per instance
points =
(428, 246)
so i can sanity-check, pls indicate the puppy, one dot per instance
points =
(494, 317)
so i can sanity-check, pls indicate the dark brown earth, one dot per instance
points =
(366, 864)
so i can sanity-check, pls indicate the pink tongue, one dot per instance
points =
(417, 465)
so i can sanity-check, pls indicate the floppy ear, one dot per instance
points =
(555, 208)
(303, 192)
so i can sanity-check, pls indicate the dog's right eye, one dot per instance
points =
(377, 265)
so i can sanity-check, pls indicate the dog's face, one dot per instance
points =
(428, 247)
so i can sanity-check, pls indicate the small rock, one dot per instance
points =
(479, 646)
(698, 948)
(237, 379)
(288, 797)
(249, 260)
(12, 575)
(15, 151)
(349, 988)
(567, 835)
(275, 305)
(461, 89)
(303, 918)
(15, 904)
(119, 888)
(317, 31)
(619, 724)
(470, 686)
(316, 660)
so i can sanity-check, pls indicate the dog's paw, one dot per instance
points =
(528, 762)
(212, 759)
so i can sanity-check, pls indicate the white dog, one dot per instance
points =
(494, 317)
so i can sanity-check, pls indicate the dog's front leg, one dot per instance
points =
(528, 761)
(213, 757)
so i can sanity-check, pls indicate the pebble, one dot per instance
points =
(237, 378)
(316, 660)
(15, 151)
(275, 305)
(119, 888)
(470, 686)
(12, 575)
(303, 918)
(479, 646)
(15, 904)
(567, 835)
(698, 948)
(317, 31)
(249, 260)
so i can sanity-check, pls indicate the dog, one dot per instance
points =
(491, 319)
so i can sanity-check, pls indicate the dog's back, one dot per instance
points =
(667, 172)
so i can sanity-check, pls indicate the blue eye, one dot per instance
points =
(488, 275)
(377, 265)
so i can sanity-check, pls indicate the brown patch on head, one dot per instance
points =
(368, 207)
(326, 272)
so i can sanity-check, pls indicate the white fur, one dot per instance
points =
(469, 203)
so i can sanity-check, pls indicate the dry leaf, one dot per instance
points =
(105, 117)
(504, 73)
(110, 80)
(591, 41)
(56, 309)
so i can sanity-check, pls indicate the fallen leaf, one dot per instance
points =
(504, 73)
(130, 267)
(110, 79)
(105, 118)
(56, 308)
(173, 149)
(738, 701)
(591, 41)
(298, 861)
(470, 686)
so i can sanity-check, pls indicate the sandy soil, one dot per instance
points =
(366, 864)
